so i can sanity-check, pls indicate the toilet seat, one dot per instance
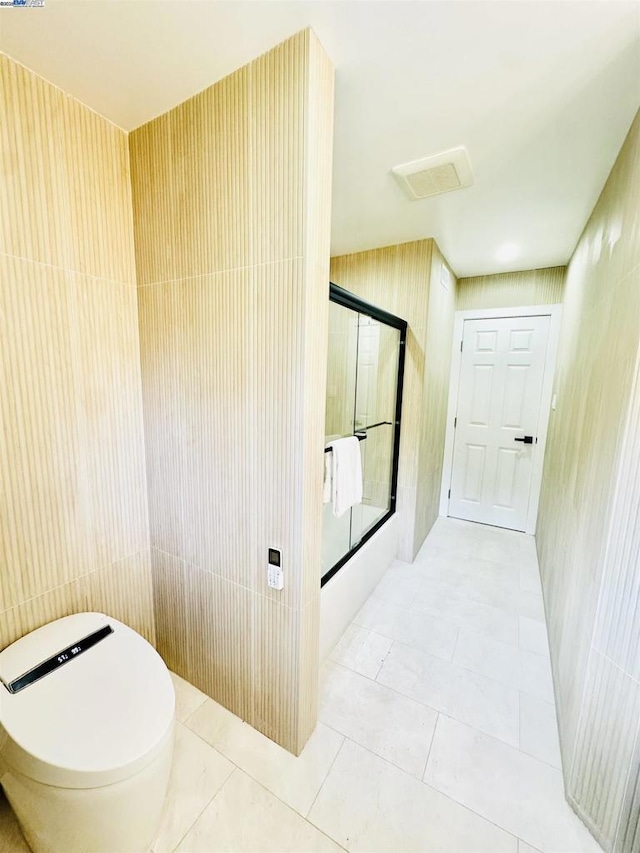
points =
(97, 718)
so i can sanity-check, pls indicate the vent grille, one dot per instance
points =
(440, 173)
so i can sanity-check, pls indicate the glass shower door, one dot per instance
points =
(375, 406)
(363, 384)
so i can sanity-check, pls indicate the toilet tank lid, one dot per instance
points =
(98, 712)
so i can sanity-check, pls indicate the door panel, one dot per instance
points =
(501, 374)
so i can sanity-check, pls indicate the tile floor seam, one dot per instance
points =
(369, 750)
(191, 713)
(326, 776)
(383, 660)
(511, 645)
(484, 674)
(521, 840)
(421, 779)
(250, 774)
(393, 640)
(555, 716)
(467, 598)
(215, 749)
(520, 721)
(459, 666)
(423, 704)
(271, 793)
(209, 801)
(439, 713)
(427, 785)
(455, 645)
(433, 735)
(504, 743)
(388, 687)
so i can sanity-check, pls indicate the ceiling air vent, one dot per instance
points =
(439, 173)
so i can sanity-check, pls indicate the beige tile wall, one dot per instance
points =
(73, 514)
(512, 289)
(588, 531)
(400, 279)
(231, 198)
(435, 397)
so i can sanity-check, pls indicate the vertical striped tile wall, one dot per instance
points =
(231, 196)
(588, 527)
(400, 279)
(512, 289)
(73, 513)
(435, 396)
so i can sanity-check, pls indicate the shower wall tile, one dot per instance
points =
(235, 183)
(195, 349)
(277, 387)
(210, 148)
(512, 289)
(73, 505)
(73, 496)
(587, 529)
(275, 650)
(40, 440)
(164, 427)
(34, 612)
(95, 160)
(604, 746)
(317, 219)
(628, 833)
(279, 97)
(219, 626)
(121, 590)
(435, 395)
(170, 608)
(154, 201)
(619, 603)
(33, 217)
(124, 590)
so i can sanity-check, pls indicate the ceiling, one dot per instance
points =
(540, 93)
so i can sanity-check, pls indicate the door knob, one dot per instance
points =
(527, 439)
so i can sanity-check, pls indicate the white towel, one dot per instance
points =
(343, 475)
(327, 487)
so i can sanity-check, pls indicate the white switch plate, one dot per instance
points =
(275, 577)
(445, 276)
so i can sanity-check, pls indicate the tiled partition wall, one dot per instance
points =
(589, 523)
(231, 195)
(405, 280)
(435, 397)
(512, 289)
(73, 509)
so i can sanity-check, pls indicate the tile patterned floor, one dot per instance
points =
(437, 727)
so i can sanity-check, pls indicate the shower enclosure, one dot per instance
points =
(364, 398)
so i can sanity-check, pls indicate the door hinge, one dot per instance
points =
(455, 423)
(449, 493)
(461, 342)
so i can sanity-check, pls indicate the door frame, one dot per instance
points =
(554, 312)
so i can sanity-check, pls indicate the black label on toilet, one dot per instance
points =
(58, 660)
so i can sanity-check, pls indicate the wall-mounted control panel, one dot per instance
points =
(275, 578)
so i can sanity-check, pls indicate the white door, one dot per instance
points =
(501, 374)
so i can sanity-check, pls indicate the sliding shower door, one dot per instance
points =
(364, 388)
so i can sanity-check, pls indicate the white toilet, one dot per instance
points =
(87, 710)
